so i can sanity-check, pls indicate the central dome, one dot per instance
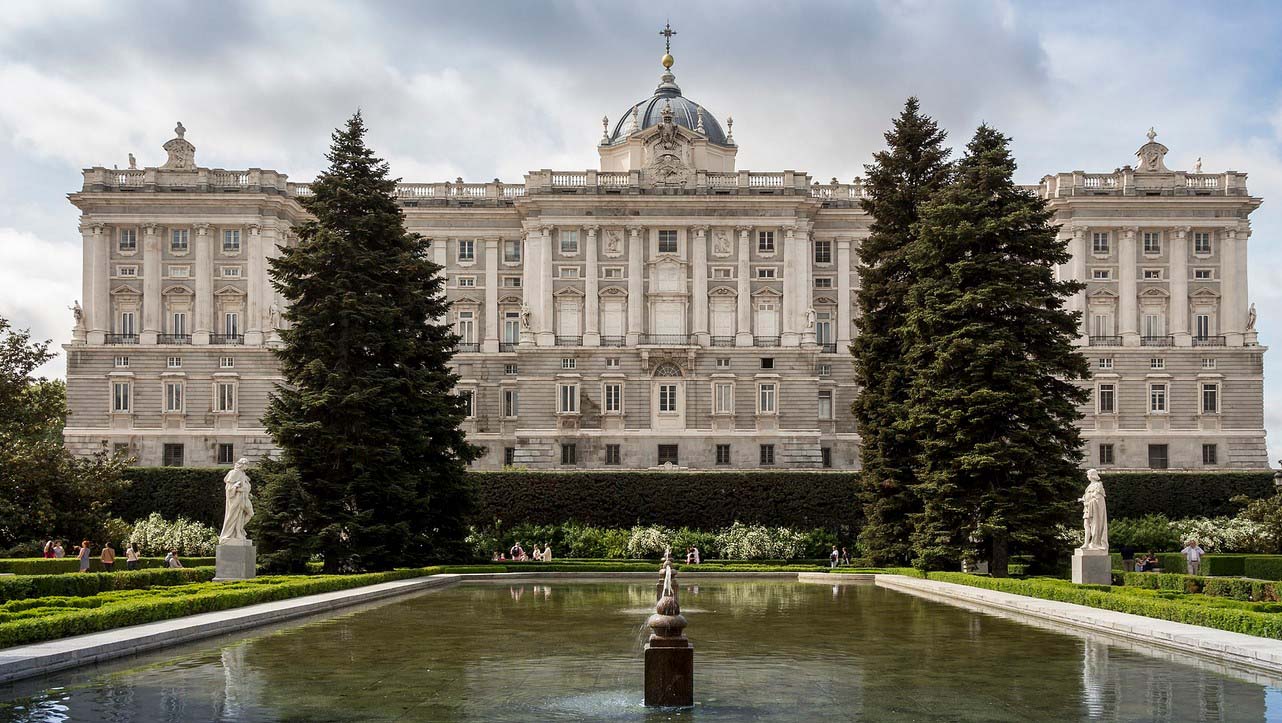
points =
(685, 113)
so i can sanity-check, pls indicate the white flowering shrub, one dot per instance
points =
(155, 536)
(649, 541)
(757, 542)
(1070, 537)
(1224, 534)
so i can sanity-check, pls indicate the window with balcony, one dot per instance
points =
(465, 327)
(469, 402)
(766, 242)
(823, 252)
(667, 241)
(127, 327)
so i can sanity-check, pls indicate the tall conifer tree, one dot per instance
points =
(993, 404)
(912, 168)
(368, 416)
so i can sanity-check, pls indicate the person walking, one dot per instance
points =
(59, 551)
(131, 557)
(83, 555)
(834, 557)
(1192, 553)
(845, 557)
(48, 551)
(108, 557)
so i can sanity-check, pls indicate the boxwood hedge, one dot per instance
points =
(45, 566)
(1180, 495)
(18, 587)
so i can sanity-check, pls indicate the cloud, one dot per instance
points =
(38, 280)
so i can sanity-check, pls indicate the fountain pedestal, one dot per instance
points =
(669, 656)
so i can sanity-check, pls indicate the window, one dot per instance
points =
(723, 362)
(122, 362)
(723, 272)
(765, 272)
(231, 323)
(512, 328)
(179, 323)
(612, 272)
(465, 282)
(1210, 454)
(569, 241)
(1152, 242)
(1206, 363)
(1101, 274)
(823, 252)
(509, 456)
(128, 240)
(183, 272)
(767, 454)
(173, 397)
(1099, 242)
(1202, 323)
(1105, 362)
(766, 242)
(613, 396)
(612, 362)
(226, 454)
(127, 323)
(1157, 398)
(1153, 274)
(469, 402)
(1106, 399)
(174, 362)
(511, 252)
(511, 370)
(1201, 242)
(511, 403)
(231, 241)
(120, 397)
(568, 397)
(766, 399)
(1210, 398)
(225, 397)
(723, 454)
(569, 272)
(466, 251)
(823, 282)
(173, 455)
(226, 362)
(1154, 325)
(569, 454)
(667, 398)
(825, 404)
(825, 456)
(1106, 454)
(1157, 363)
(126, 271)
(512, 282)
(612, 456)
(1203, 274)
(667, 242)
(569, 363)
(723, 398)
(1158, 457)
(178, 240)
(466, 323)
(823, 370)
(668, 454)
(767, 362)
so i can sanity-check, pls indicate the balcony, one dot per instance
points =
(1208, 341)
(722, 341)
(1104, 341)
(467, 348)
(826, 348)
(666, 339)
(612, 340)
(121, 339)
(569, 340)
(173, 338)
(765, 341)
(506, 346)
(1157, 340)
(235, 339)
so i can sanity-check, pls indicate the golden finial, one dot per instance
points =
(667, 34)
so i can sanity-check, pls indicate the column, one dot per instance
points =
(1127, 315)
(273, 238)
(1232, 288)
(490, 343)
(532, 283)
(254, 291)
(152, 324)
(204, 301)
(743, 306)
(843, 295)
(440, 247)
(546, 333)
(591, 312)
(805, 284)
(1241, 297)
(636, 285)
(1077, 272)
(1178, 285)
(699, 259)
(791, 335)
(93, 316)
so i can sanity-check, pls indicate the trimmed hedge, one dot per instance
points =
(1180, 495)
(192, 492)
(60, 566)
(1263, 567)
(19, 587)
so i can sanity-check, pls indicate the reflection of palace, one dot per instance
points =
(665, 307)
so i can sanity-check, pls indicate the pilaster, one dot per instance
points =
(254, 291)
(151, 321)
(96, 282)
(743, 306)
(490, 342)
(699, 259)
(1179, 287)
(792, 305)
(544, 333)
(591, 312)
(531, 267)
(204, 301)
(636, 285)
(843, 295)
(1077, 272)
(1128, 315)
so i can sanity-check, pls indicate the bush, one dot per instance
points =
(1150, 533)
(754, 542)
(1224, 565)
(20, 587)
(1223, 534)
(1263, 567)
(42, 566)
(193, 493)
(187, 537)
(1183, 494)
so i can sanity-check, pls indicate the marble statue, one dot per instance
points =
(273, 316)
(1197, 165)
(1250, 318)
(78, 312)
(239, 506)
(525, 316)
(1094, 513)
(810, 318)
(720, 243)
(133, 162)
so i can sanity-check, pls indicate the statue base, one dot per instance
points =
(669, 676)
(1092, 567)
(236, 560)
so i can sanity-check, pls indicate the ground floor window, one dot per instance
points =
(668, 454)
(1158, 457)
(1210, 454)
(723, 454)
(569, 454)
(612, 455)
(509, 456)
(226, 454)
(826, 453)
(1106, 454)
(767, 454)
(173, 455)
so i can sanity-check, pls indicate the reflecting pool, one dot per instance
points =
(570, 651)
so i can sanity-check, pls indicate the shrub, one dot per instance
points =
(1183, 494)
(753, 542)
(1263, 567)
(1267, 515)
(650, 541)
(155, 533)
(1224, 565)
(194, 493)
(1147, 533)
(65, 565)
(1223, 534)
(20, 587)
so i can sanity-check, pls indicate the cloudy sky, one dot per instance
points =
(485, 89)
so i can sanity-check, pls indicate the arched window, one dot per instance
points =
(667, 370)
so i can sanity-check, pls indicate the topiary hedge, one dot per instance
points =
(1262, 567)
(192, 492)
(64, 565)
(20, 587)
(1180, 495)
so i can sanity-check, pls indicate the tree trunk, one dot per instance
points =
(999, 564)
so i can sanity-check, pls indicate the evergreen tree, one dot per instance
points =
(993, 403)
(911, 169)
(368, 416)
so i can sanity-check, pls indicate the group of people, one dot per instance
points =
(692, 556)
(516, 553)
(1192, 553)
(838, 558)
(54, 550)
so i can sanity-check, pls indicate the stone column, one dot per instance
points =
(636, 285)
(699, 259)
(97, 311)
(1241, 297)
(490, 343)
(591, 312)
(531, 272)
(204, 301)
(805, 284)
(1232, 288)
(843, 295)
(273, 238)
(792, 306)
(546, 333)
(743, 306)
(1076, 271)
(152, 324)
(254, 291)
(1179, 288)
(440, 248)
(1128, 319)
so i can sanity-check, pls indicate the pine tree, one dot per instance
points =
(912, 168)
(368, 416)
(993, 403)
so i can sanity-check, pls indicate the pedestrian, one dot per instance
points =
(84, 556)
(171, 559)
(48, 551)
(845, 557)
(131, 557)
(1192, 556)
(547, 552)
(834, 557)
(698, 558)
(108, 557)
(59, 551)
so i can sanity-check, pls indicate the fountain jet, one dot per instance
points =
(669, 656)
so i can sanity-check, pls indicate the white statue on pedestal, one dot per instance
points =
(1094, 514)
(239, 506)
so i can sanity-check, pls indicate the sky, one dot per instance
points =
(495, 89)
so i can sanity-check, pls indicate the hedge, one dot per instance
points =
(63, 565)
(1263, 567)
(1180, 495)
(18, 587)
(192, 492)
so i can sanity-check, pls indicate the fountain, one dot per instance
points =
(669, 656)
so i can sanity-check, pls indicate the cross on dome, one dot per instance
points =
(667, 34)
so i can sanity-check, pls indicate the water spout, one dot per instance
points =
(669, 656)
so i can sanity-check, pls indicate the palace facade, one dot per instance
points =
(663, 309)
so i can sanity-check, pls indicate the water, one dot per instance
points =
(567, 651)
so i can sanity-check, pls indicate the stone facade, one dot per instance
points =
(666, 309)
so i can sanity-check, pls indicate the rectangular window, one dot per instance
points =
(226, 453)
(723, 398)
(231, 241)
(231, 323)
(509, 456)
(1210, 398)
(127, 271)
(511, 327)
(1101, 274)
(1206, 363)
(128, 239)
(766, 399)
(174, 362)
(723, 272)
(765, 272)
(823, 370)
(823, 282)
(179, 240)
(1105, 362)
(569, 454)
(512, 282)
(1210, 455)
(1154, 325)
(767, 455)
(1201, 242)
(1157, 398)
(511, 252)
(612, 272)
(823, 252)
(1156, 363)
(826, 457)
(466, 327)
(226, 362)
(469, 402)
(569, 242)
(667, 398)
(569, 272)
(723, 362)
(668, 454)
(466, 251)
(1202, 323)
(723, 454)
(569, 363)
(465, 282)
(613, 398)
(120, 397)
(511, 370)
(1106, 398)
(122, 362)
(612, 455)
(1158, 457)
(568, 399)
(1153, 274)
(172, 455)
(179, 323)
(1099, 242)
(1203, 274)
(825, 404)
(766, 242)
(667, 242)
(1106, 454)
(612, 362)
(173, 397)
(183, 272)
(127, 323)
(511, 403)
(1152, 242)
(225, 397)
(231, 272)
(767, 362)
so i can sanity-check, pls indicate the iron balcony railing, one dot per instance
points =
(226, 338)
(122, 339)
(666, 339)
(722, 341)
(173, 339)
(1105, 341)
(1208, 341)
(828, 348)
(467, 347)
(507, 346)
(569, 340)
(613, 340)
(765, 341)
(1157, 341)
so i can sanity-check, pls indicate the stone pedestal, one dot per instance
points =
(236, 560)
(669, 676)
(1092, 567)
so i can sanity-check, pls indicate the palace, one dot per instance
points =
(664, 309)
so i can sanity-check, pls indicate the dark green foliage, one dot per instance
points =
(19, 587)
(992, 401)
(195, 493)
(1224, 565)
(368, 415)
(1263, 567)
(900, 179)
(281, 524)
(1181, 495)
(1151, 533)
(65, 565)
